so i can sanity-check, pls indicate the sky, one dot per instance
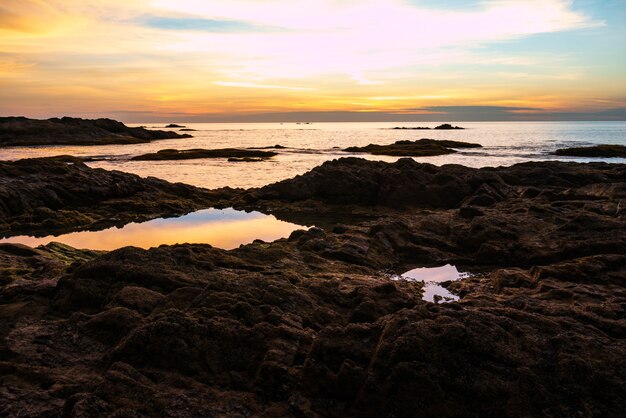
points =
(314, 60)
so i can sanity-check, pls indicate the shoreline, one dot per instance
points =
(311, 324)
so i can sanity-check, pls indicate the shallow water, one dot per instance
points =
(226, 228)
(432, 277)
(504, 143)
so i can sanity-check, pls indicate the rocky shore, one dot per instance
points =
(61, 194)
(313, 325)
(21, 131)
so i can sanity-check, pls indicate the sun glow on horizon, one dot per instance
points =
(195, 57)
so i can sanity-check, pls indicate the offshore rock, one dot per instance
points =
(420, 148)
(191, 154)
(598, 151)
(21, 131)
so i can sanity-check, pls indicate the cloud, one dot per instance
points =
(33, 17)
(249, 85)
(252, 55)
(199, 24)
(357, 37)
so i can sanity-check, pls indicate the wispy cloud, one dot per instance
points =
(199, 24)
(248, 85)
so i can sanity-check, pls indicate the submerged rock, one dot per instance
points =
(21, 131)
(411, 128)
(601, 151)
(245, 160)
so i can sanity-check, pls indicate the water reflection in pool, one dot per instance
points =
(225, 228)
(432, 277)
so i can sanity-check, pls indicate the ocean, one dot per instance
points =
(309, 145)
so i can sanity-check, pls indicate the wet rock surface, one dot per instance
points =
(421, 148)
(57, 195)
(21, 131)
(172, 154)
(604, 151)
(312, 326)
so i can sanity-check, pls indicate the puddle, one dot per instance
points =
(432, 277)
(223, 228)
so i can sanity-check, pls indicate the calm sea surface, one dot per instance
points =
(308, 145)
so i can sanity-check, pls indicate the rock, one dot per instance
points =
(599, 151)
(470, 212)
(277, 146)
(172, 154)
(245, 160)
(418, 128)
(420, 148)
(318, 324)
(20, 131)
(173, 125)
(448, 126)
(40, 196)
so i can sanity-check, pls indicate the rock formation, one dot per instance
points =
(603, 151)
(314, 325)
(20, 131)
(420, 148)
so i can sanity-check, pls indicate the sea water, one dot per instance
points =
(309, 145)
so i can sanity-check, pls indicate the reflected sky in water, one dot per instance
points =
(225, 228)
(432, 276)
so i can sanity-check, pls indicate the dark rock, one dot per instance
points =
(470, 212)
(20, 131)
(173, 125)
(420, 148)
(314, 325)
(172, 154)
(39, 196)
(599, 151)
(245, 160)
(411, 128)
(277, 146)
(448, 126)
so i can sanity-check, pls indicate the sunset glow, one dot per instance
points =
(202, 60)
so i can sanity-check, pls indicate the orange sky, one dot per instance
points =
(142, 60)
